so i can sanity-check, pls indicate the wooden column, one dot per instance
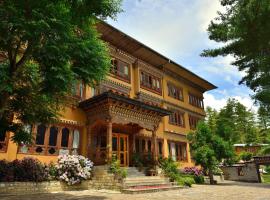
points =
(109, 141)
(134, 143)
(154, 144)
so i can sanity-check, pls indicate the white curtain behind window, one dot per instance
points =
(76, 139)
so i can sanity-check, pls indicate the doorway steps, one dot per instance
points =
(137, 182)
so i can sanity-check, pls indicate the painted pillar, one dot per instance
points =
(109, 141)
(154, 142)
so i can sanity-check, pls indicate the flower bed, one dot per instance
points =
(69, 169)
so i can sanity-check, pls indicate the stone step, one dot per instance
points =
(149, 189)
(128, 185)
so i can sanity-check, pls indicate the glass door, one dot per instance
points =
(120, 148)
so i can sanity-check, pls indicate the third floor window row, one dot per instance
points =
(195, 101)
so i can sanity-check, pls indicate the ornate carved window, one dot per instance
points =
(175, 92)
(195, 101)
(120, 69)
(193, 121)
(150, 82)
(53, 140)
(177, 118)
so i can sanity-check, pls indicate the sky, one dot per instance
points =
(178, 30)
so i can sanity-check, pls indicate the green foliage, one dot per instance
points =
(116, 169)
(198, 179)
(186, 181)
(208, 149)
(169, 168)
(245, 156)
(48, 46)
(235, 123)
(243, 29)
(265, 150)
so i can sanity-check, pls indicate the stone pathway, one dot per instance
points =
(225, 191)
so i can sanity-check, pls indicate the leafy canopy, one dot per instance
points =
(47, 46)
(244, 32)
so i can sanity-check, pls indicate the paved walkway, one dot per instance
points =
(225, 191)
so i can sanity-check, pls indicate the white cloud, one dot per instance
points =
(218, 103)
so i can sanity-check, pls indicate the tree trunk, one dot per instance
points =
(211, 177)
(3, 103)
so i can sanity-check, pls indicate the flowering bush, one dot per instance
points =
(193, 171)
(73, 169)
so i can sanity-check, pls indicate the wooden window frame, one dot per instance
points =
(117, 73)
(193, 121)
(4, 143)
(149, 86)
(195, 100)
(180, 153)
(178, 90)
(175, 118)
(32, 149)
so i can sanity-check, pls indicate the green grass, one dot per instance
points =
(266, 178)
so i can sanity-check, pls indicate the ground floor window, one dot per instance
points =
(177, 150)
(52, 140)
(3, 142)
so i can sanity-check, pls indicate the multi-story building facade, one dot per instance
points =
(147, 104)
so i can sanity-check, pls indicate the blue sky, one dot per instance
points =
(177, 29)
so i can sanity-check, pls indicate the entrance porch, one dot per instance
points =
(115, 122)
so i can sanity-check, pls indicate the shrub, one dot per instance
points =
(72, 169)
(170, 169)
(116, 169)
(198, 179)
(27, 169)
(245, 156)
(51, 171)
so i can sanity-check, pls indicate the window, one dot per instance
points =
(195, 101)
(3, 141)
(160, 148)
(177, 118)
(41, 130)
(52, 140)
(53, 136)
(193, 121)
(177, 151)
(175, 92)
(150, 82)
(78, 90)
(65, 137)
(120, 69)
(149, 145)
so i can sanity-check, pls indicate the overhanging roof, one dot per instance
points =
(113, 96)
(130, 45)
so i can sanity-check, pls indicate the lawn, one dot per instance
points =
(266, 178)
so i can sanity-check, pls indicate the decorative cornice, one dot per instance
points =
(109, 84)
(115, 52)
(71, 122)
(150, 69)
(147, 98)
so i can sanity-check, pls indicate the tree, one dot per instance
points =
(264, 123)
(244, 31)
(209, 149)
(211, 118)
(46, 47)
(236, 124)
